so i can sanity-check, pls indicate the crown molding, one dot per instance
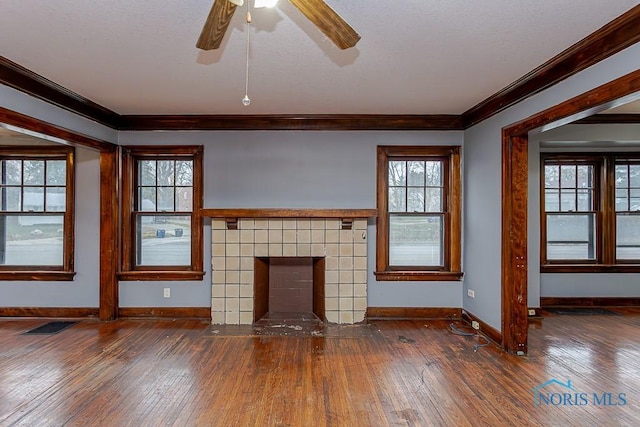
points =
(292, 122)
(24, 80)
(615, 36)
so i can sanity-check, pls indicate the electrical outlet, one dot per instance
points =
(471, 293)
(167, 292)
(475, 325)
(532, 312)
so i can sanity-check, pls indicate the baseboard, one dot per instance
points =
(59, 312)
(589, 301)
(379, 313)
(166, 312)
(488, 331)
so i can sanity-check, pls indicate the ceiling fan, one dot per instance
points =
(317, 11)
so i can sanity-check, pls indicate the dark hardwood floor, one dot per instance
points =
(401, 373)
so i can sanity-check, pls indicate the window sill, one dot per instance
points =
(161, 275)
(42, 276)
(418, 276)
(590, 268)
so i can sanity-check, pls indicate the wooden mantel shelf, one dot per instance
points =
(289, 213)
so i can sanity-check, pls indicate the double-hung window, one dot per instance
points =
(418, 235)
(590, 216)
(162, 226)
(36, 213)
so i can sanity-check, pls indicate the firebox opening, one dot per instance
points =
(289, 288)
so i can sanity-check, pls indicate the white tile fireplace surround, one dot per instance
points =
(234, 252)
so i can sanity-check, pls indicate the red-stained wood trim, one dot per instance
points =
(514, 197)
(616, 119)
(53, 312)
(485, 329)
(166, 312)
(292, 122)
(589, 302)
(514, 245)
(427, 276)
(160, 275)
(24, 80)
(37, 275)
(615, 36)
(380, 313)
(288, 213)
(109, 234)
(47, 130)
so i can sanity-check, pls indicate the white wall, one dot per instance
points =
(482, 159)
(294, 169)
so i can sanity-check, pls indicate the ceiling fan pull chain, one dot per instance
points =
(246, 101)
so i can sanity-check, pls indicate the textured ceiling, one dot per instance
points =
(415, 56)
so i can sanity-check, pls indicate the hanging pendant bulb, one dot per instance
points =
(246, 101)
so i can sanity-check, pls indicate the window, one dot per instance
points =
(36, 215)
(590, 212)
(162, 226)
(418, 236)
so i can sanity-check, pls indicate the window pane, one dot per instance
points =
(397, 173)
(12, 172)
(434, 200)
(33, 240)
(184, 172)
(163, 240)
(568, 176)
(585, 200)
(585, 176)
(634, 175)
(147, 172)
(415, 199)
(627, 236)
(397, 199)
(56, 199)
(33, 199)
(33, 172)
(622, 200)
(416, 241)
(11, 199)
(165, 198)
(147, 199)
(56, 172)
(551, 176)
(622, 179)
(571, 237)
(551, 200)
(416, 173)
(184, 199)
(165, 172)
(634, 201)
(567, 200)
(434, 173)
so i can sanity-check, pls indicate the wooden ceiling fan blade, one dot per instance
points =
(216, 25)
(328, 21)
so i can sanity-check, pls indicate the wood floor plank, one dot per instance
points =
(404, 373)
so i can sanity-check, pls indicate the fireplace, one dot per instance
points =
(244, 248)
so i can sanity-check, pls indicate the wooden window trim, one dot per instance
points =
(128, 270)
(605, 261)
(65, 272)
(452, 269)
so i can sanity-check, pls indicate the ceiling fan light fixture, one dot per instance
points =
(237, 2)
(264, 3)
